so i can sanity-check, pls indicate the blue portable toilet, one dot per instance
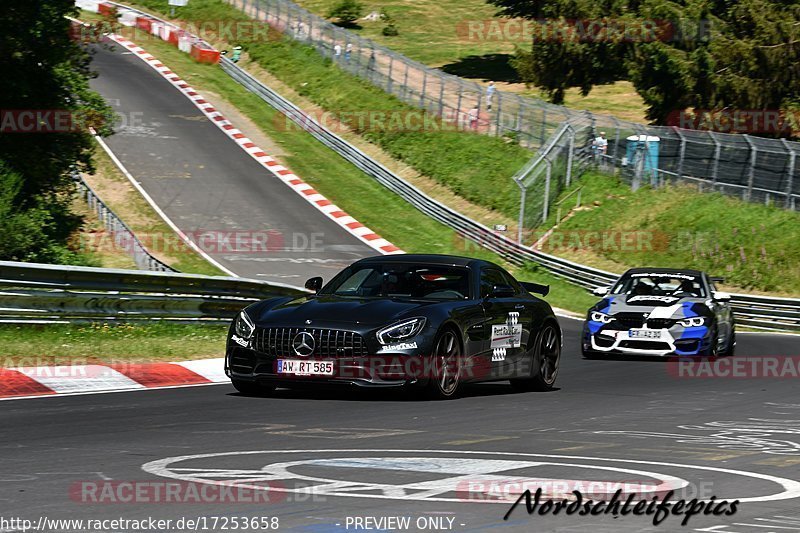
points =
(643, 150)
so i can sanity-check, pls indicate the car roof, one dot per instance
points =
(430, 259)
(661, 270)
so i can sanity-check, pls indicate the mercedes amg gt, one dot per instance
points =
(427, 321)
(663, 312)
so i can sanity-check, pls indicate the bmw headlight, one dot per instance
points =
(244, 326)
(693, 322)
(401, 330)
(597, 316)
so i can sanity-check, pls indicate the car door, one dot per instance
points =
(502, 324)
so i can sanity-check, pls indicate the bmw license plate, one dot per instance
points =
(305, 368)
(644, 334)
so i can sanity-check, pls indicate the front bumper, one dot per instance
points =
(675, 341)
(377, 371)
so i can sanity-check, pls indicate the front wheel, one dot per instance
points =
(546, 360)
(251, 388)
(444, 382)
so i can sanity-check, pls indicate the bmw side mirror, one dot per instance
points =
(502, 291)
(314, 284)
(600, 291)
(720, 296)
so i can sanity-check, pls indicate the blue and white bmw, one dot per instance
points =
(662, 312)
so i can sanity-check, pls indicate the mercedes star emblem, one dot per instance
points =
(303, 344)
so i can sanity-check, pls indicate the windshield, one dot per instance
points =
(397, 280)
(656, 284)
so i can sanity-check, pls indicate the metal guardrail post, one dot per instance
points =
(547, 189)
(682, 155)
(570, 152)
(717, 155)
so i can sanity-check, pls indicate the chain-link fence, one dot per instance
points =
(753, 168)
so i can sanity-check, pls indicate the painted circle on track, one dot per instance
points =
(435, 472)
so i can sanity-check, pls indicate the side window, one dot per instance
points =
(511, 282)
(489, 278)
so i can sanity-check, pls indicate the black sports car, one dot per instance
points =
(660, 311)
(434, 321)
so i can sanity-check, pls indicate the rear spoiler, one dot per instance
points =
(535, 288)
(717, 279)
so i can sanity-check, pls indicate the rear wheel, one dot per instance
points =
(447, 361)
(251, 388)
(546, 360)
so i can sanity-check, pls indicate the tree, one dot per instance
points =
(47, 72)
(693, 54)
(347, 11)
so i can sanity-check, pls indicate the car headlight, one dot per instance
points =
(597, 316)
(692, 322)
(244, 326)
(401, 330)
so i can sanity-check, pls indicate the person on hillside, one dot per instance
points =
(348, 51)
(600, 145)
(490, 90)
(472, 116)
(337, 51)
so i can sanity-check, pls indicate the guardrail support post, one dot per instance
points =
(570, 150)
(521, 222)
(682, 152)
(547, 189)
(717, 154)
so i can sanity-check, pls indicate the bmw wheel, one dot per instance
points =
(546, 360)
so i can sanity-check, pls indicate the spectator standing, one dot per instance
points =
(490, 90)
(600, 145)
(472, 116)
(337, 51)
(348, 51)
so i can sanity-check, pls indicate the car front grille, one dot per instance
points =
(660, 323)
(277, 342)
(627, 320)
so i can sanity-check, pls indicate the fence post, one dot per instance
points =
(752, 172)
(717, 154)
(547, 189)
(682, 152)
(790, 181)
(498, 113)
(389, 80)
(544, 125)
(424, 87)
(570, 151)
(458, 105)
(521, 222)
(405, 83)
(441, 98)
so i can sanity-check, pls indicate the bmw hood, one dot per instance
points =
(673, 307)
(337, 310)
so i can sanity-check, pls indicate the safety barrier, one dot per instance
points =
(32, 292)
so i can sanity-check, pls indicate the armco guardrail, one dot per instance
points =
(31, 292)
(758, 312)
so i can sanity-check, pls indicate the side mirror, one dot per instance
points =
(502, 291)
(720, 296)
(600, 291)
(314, 284)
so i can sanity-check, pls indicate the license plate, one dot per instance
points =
(644, 334)
(305, 368)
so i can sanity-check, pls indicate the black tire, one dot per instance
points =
(712, 352)
(251, 388)
(546, 360)
(730, 349)
(447, 361)
(589, 354)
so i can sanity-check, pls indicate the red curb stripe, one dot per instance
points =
(272, 163)
(390, 248)
(227, 126)
(296, 181)
(249, 145)
(238, 135)
(15, 383)
(309, 192)
(323, 203)
(159, 374)
(370, 236)
(260, 154)
(338, 214)
(285, 172)
(354, 225)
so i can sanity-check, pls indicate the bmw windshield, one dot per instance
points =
(397, 280)
(660, 284)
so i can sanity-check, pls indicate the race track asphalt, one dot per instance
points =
(604, 415)
(207, 184)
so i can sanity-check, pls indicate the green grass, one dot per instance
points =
(753, 246)
(42, 345)
(428, 29)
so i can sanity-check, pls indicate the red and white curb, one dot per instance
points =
(302, 188)
(40, 381)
